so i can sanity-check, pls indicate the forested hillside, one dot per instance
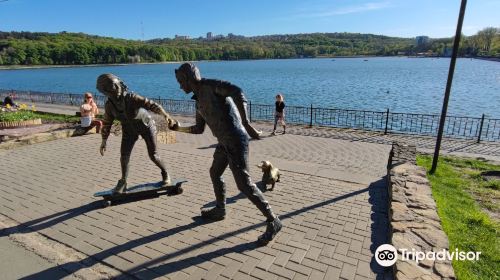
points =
(38, 48)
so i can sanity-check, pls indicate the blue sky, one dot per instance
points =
(134, 19)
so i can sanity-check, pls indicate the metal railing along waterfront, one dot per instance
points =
(471, 128)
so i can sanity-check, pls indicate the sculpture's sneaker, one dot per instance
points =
(272, 229)
(166, 181)
(214, 214)
(121, 187)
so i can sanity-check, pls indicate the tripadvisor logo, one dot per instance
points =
(387, 255)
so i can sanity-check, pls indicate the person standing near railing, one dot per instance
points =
(279, 113)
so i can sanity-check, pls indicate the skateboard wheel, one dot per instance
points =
(180, 190)
(107, 203)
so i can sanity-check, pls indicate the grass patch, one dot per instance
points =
(25, 112)
(21, 115)
(461, 194)
(30, 115)
(51, 117)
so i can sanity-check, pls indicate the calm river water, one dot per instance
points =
(400, 84)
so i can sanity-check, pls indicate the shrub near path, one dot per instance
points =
(25, 112)
(464, 200)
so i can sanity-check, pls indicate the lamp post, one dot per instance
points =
(442, 120)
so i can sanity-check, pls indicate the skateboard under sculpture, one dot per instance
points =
(141, 192)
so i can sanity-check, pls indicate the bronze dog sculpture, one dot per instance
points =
(271, 174)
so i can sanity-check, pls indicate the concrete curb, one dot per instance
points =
(66, 258)
(37, 138)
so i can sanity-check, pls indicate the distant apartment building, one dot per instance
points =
(234, 36)
(421, 40)
(181, 37)
(211, 36)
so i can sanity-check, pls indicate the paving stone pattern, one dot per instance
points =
(331, 226)
(425, 144)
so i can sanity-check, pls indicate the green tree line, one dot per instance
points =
(64, 48)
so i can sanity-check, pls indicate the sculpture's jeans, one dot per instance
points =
(130, 135)
(237, 159)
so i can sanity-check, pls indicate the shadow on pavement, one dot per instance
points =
(379, 200)
(229, 200)
(160, 266)
(56, 218)
(48, 221)
(96, 258)
(213, 146)
(143, 272)
(262, 187)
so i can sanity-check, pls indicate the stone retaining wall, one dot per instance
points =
(11, 124)
(11, 142)
(415, 223)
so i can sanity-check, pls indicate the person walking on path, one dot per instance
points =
(221, 105)
(132, 111)
(279, 113)
(88, 111)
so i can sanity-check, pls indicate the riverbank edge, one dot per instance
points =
(23, 67)
(496, 59)
(26, 67)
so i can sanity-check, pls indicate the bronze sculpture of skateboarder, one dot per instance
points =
(222, 106)
(132, 111)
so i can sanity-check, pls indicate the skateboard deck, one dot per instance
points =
(149, 190)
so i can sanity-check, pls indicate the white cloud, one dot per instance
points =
(346, 10)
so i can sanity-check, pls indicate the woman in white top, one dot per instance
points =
(88, 111)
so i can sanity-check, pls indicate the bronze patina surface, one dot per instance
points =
(222, 106)
(133, 112)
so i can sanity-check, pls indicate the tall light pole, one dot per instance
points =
(442, 120)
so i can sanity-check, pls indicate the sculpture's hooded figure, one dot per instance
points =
(133, 112)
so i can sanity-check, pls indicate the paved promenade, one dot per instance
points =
(332, 200)
(424, 144)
